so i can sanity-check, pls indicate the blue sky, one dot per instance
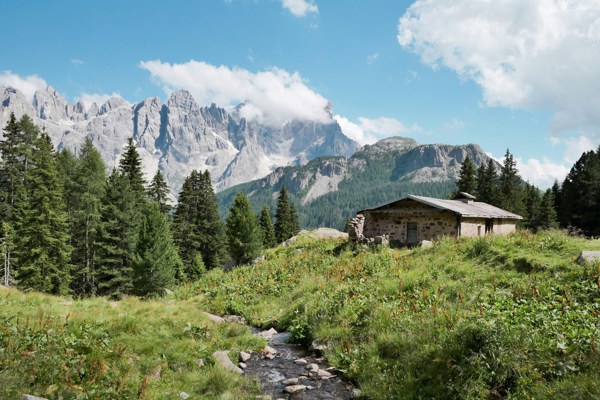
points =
(503, 74)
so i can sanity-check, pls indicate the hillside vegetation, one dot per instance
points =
(501, 317)
(98, 349)
(491, 318)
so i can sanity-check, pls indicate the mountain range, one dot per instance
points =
(180, 135)
(330, 190)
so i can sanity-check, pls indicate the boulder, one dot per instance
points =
(425, 243)
(588, 256)
(268, 334)
(222, 358)
(244, 356)
(235, 319)
(214, 318)
(30, 397)
(294, 389)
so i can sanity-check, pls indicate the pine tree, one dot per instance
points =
(7, 247)
(198, 229)
(556, 195)
(532, 207)
(159, 191)
(547, 214)
(156, 262)
(480, 190)
(510, 185)
(284, 228)
(41, 227)
(243, 231)
(16, 151)
(580, 204)
(131, 167)
(488, 185)
(89, 186)
(467, 181)
(266, 223)
(117, 238)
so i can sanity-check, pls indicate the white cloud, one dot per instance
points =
(300, 8)
(99, 98)
(533, 55)
(276, 95)
(372, 58)
(370, 130)
(541, 173)
(576, 146)
(27, 84)
(77, 61)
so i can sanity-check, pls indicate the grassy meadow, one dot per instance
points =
(500, 317)
(491, 318)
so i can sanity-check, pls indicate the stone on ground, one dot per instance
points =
(294, 389)
(588, 256)
(222, 358)
(214, 318)
(244, 356)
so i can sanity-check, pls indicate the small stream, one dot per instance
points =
(288, 367)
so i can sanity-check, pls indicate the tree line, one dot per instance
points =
(69, 227)
(573, 205)
(504, 188)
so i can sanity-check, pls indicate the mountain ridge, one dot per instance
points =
(179, 135)
(329, 190)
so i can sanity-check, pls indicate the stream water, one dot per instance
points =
(289, 361)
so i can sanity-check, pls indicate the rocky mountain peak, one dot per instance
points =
(179, 136)
(112, 104)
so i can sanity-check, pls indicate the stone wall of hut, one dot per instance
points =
(392, 223)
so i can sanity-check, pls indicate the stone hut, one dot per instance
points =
(413, 219)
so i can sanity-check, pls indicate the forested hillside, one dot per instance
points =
(328, 191)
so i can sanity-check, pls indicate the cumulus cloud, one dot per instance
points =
(26, 84)
(576, 146)
(533, 55)
(368, 130)
(541, 173)
(99, 98)
(77, 61)
(272, 97)
(300, 8)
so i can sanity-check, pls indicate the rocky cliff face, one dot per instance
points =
(180, 135)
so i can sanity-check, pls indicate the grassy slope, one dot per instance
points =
(98, 349)
(507, 317)
(510, 317)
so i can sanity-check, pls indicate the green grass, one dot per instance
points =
(506, 317)
(99, 349)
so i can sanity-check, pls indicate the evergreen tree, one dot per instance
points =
(131, 167)
(7, 245)
(532, 207)
(198, 229)
(16, 151)
(66, 165)
(579, 204)
(41, 227)
(266, 223)
(467, 180)
(117, 238)
(480, 190)
(556, 195)
(159, 191)
(244, 233)
(547, 214)
(284, 228)
(488, 185)
(282, 224)
(156, 262)
(510, 185)
(89, 186)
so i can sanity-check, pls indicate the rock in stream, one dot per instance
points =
(286, 371)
